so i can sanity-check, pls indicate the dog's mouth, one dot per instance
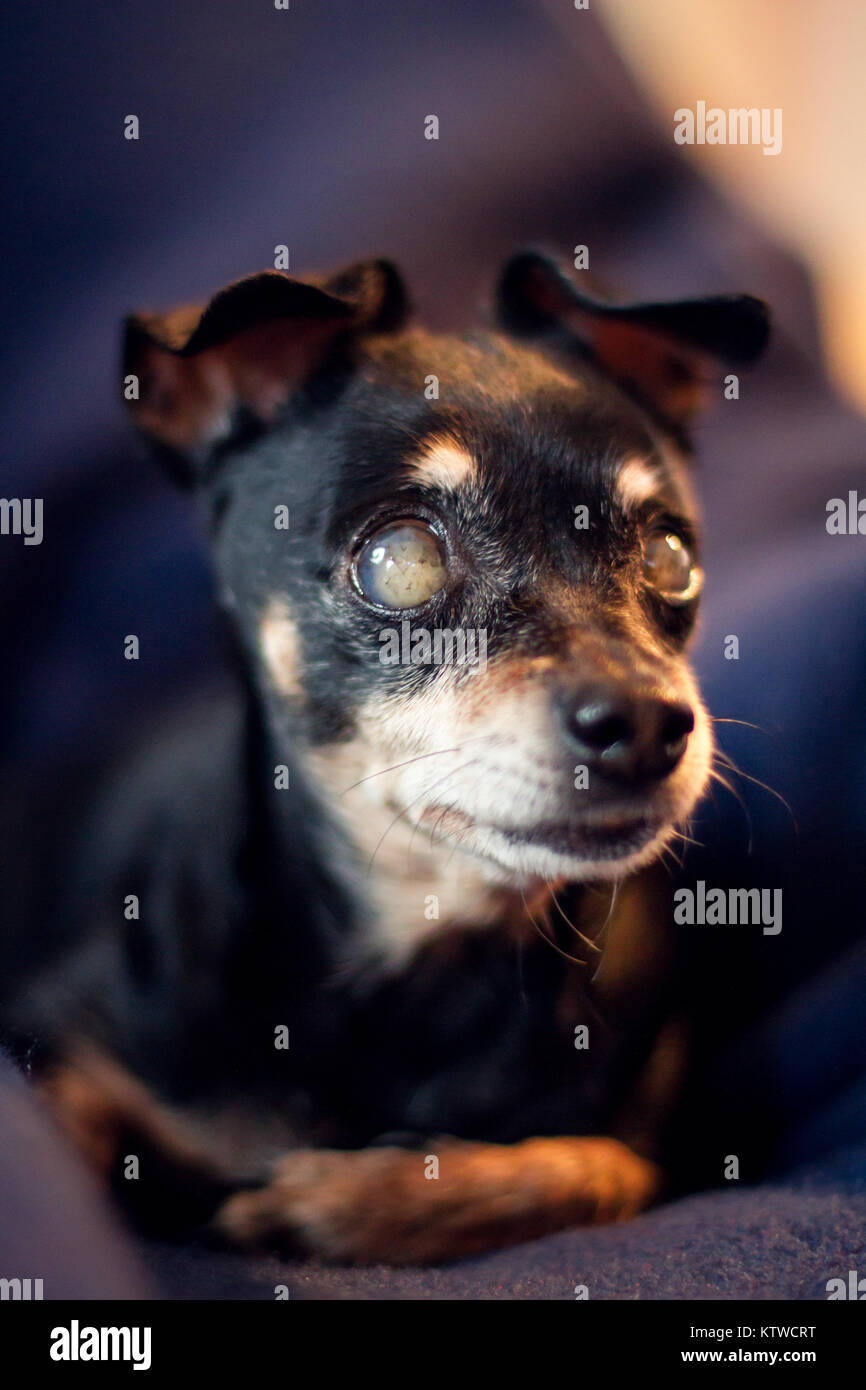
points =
(617, 835)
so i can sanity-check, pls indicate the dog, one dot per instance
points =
(373, 954)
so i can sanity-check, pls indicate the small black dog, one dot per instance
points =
(363, 905)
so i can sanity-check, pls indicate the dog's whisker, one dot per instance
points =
(446, 810)
(613, 896)
(424, 792)
(550, 942)
(458, 840)
(756, 781)
(568, 922)
(431, 832)
(744, 723)
(419, 757)
(417, 825)
(670, 851)
(683, 838)
(716, 776)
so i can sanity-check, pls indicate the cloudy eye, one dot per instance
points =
(669, 565)
(400, 566)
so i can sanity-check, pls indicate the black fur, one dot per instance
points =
(250, 915)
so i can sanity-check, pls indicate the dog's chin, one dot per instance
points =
(584, 858)
(603, 849)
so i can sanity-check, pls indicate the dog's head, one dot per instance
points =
(466, 569)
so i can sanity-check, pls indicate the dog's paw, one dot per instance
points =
(405, 1207)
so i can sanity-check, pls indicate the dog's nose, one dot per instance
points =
(628, 735)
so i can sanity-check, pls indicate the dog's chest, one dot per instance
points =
(475, 1037)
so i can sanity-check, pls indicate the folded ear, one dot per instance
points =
(665, 355)
(251, 346)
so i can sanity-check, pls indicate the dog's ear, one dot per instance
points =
(665, 355)
(251, 346)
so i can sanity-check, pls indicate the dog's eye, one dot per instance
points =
(400, 566)
(668, 564)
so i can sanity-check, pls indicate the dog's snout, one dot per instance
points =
(628, 735)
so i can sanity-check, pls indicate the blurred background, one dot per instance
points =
(305, 127)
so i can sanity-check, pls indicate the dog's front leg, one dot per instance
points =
(407, 1207)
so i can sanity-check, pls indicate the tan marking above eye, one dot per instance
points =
(636, 483)
(443, 464)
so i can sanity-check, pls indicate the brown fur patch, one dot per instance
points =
(281, 648)
(377, 1204)
(99, 1105)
